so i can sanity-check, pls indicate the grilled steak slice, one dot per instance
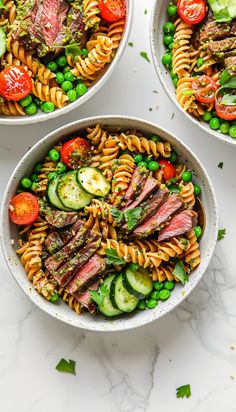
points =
(217, 47)
(86, 274)
(171, 206)
(57, 218)
(230, 63)
(55, 261)
(67, 271)
(149, 187)
(85, 298)
(216, 31)
(53, 242)
(138, 180)
(180, 224)
(76, 26)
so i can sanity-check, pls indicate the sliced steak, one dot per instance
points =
(217, 47)
(180, 224)
(149, 187)
(67, 271)
(171, 206)
(86, 274)
(85, 298)
(76, 26)
(57, 239)
(58, 218)
(216, 31)
(138, 180)
(53, 242)
(230, 63)
(55, 261)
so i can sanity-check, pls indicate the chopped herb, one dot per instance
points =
(180, 273)
(220, 165)
(132, 217)
(172, 116)
(72, 49)
(112, 257)
(117, 214)
(155, 91)
(66, 366)
(131, 44)
(98, 296)
(145, 56)
(183, 391)
(150, 109)
(145, 11)
(221, 234)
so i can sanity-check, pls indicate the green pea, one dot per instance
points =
(69, 76)
(155, 295)
(158, 285)
(214, 123)
(81, 89)
(54, 297)
(171, 10)
(54, 155)
(26, 101)
(61, 61)
(134, 267)
(173, 156)
(37, 101)
(141, 305)
(172, 74)
(37, 167)
(200, 62)
(169, 285)
(197, 190)
(84, 52)
(174, 188)
(168, 27)
(142, 164)
(51, 175)
(138, 158)
(26, 183)
(34, 177)
(166, 59)
(72, 96)
(207, 116)
(232, 131)
(60, 78)
(164, 294)
(175, 81)
(31, 109)
(171, 45)
(224, 77)
(61, 168)
(52, 66)
(168, 39)
(151, 303)
(187, 176)
(66, 85)
(34, 187)
(155, 138)
(153, 166)
(48, 107)
(198, 231)
(66, 69)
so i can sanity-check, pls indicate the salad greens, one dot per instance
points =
(223, 10)
(66, 366)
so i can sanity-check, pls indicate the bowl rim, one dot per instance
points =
(112, 326)
(158, 68)
(41, 117)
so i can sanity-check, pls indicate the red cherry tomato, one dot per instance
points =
(191, 11)
(223, 111)
(24, 209)
(168, 169)
(112, 10)
(15, 83)
(205, 89)
(75, 152)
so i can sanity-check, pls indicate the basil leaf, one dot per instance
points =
(66, 366)
(231, 84)
(180, 273)
(229, 100)
(132, 217)
(112, 257)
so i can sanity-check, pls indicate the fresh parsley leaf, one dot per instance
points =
(66, 366)
(98, 296)
(112, 257)
(131, 44)
(183, 391)
(72, 49)
(145, 11)
(229, 100)
(117, 214)
(132, 217)
(220, 165)
(180, 273)
(221, 234)
(145, 56)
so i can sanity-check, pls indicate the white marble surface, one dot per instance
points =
(140, 370)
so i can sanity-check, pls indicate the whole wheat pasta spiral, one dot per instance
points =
(91, 13)
(109, 154)
(142, 144)
(183, 93)
(47, 167)
(101, 210)
(10, 60)
(70, 300)
(115, 32)
(8, 13)
(122, 175)
(163, 273)
(180, 60)
(11, 109)
(192, 254)
(53, 94)
(96, 134)
(101, 31)
(187, 194)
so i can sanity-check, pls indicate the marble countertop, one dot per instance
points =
(139, 370)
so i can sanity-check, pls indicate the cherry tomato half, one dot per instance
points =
(112, 10)
(75, 152)
(223, 111)
(168, 169)
(205, 89)
(191, 11)
(15, 83)
(23, 209)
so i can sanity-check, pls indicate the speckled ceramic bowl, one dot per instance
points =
(41, 116)
(61, 310)
(158, 18)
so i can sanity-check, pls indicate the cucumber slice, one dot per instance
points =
(120, 297)
(71, 193)
(106, 308)
(93, 181)
(52, 194)
(138, 283)
(3, 42)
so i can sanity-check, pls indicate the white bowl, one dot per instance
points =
(105, 75)
(61, 311)
(158, 18)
